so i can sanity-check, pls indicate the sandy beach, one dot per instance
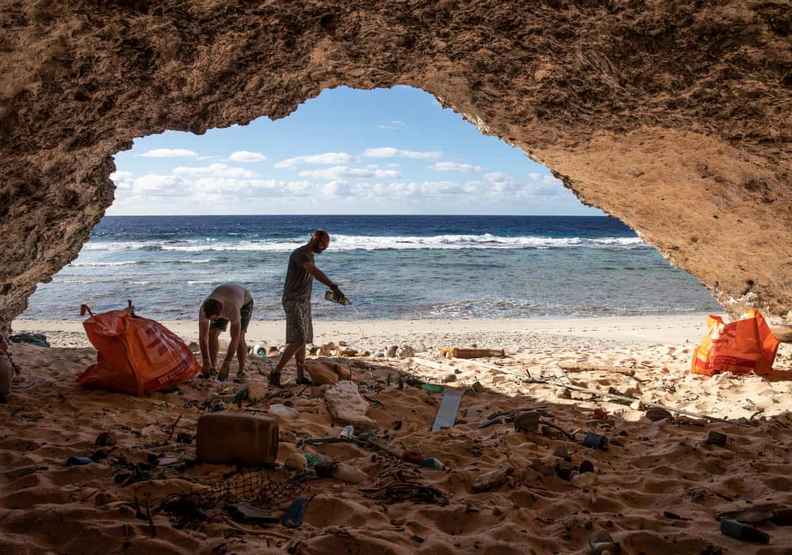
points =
(656, 489)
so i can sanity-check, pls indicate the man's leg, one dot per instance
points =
(214, 346)
(299, 357)
(242, 353)
(291, 348)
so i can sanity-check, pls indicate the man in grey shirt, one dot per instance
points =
(297, 303)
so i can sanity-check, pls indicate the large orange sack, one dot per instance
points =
(741, 347)
(135, 355)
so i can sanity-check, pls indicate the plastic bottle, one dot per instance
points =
(432, 463)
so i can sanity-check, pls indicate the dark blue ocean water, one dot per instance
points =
(390, 266)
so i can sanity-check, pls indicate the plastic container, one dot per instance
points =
(237, 439)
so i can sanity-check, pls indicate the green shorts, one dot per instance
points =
(245, 314)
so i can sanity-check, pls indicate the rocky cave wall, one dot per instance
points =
(674, 116)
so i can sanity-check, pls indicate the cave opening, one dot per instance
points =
(431, 219)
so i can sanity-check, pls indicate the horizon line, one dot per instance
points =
(354, 214)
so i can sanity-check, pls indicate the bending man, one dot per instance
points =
(228, 303)
(297, 303)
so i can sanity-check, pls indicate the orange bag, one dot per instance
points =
(135, 355)
(740, 347)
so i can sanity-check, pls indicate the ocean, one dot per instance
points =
(391, 267)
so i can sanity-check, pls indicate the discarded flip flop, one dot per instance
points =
(293, 517)
(595, 441)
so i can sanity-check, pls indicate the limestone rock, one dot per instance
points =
(405, 351)
(347, 406)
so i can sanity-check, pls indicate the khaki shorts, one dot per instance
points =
(299, 324)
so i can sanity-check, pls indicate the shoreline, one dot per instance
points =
(646, 329)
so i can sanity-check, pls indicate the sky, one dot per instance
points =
(385, 151)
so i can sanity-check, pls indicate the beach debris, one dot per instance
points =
(259, 350)
(328, 349)
(656, 414)
(296, 461)
(184, 438)
(79, 461)
(594, 441)
(329, 372)
(293, 516)
(105, 439)
(348, 473)
(779, 515)
(247, 513)
(562, 453)
(716, 438)
(380, 354)
(446, 414)
(405, 351)
(432, 463)
(282, 411)
(492, 480)
(461, 352)
(403, 490)
(432, 388)
(743, 532)
(603, 543)
(347, 406)
(392, 350)
(527, 421)
(565, 470)
(450, 378)
(347, 432)
(586, 466)
(237, 439)
(37, 339)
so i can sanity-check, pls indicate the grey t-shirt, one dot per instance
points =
(298, 280)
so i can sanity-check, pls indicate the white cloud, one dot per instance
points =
(214, 170)
(327, 158)
(169, 153)
(390, 152)
(246, 156)
(337, 172)
(455, 167)
(123, 180)
(393, 124)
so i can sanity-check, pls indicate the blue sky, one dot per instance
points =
(386, 151)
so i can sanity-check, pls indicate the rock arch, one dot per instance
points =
(674, 116)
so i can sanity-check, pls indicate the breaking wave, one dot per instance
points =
(373, 242)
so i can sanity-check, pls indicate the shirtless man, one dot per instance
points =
(227, 303)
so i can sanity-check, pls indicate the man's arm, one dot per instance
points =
(311, 268)
(236, 332)
(203, 340)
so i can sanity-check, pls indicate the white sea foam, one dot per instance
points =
(373, 242)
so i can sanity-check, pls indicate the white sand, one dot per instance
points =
(652, 469)
(376, 334)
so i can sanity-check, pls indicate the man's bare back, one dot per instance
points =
(233, 297)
